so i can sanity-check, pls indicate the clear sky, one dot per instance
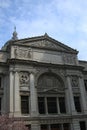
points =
(63, 20)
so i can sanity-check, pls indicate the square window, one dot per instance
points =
(52, 105)
(77, 103)
(25, 104)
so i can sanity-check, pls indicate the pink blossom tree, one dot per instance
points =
(7, 123)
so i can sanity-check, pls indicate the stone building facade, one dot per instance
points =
(43, 82)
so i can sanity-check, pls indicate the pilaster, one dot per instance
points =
(11, 79)
(69, 94)
(16, 96)
(33, 96)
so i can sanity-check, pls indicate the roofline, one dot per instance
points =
(36, 38)
(31, 39)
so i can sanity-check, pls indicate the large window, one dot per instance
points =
(77, 103)
(24, 104)
(62, 105)
(82, 125)
(41, 104)
(51, 105)
(51, 94)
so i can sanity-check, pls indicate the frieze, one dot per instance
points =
(69, 58)
(24, 79)
(71, 73)
(52, 121)
(20, 52)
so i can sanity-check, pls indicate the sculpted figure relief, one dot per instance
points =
(24, 78)
(22, 53)
(74, 81)
(69, 58)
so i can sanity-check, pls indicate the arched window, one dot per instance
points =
(51, 94)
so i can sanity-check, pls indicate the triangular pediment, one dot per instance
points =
(45, 42)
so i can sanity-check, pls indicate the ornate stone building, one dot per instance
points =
(43, 82)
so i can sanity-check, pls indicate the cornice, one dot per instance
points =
(62, 47)
(40, 64)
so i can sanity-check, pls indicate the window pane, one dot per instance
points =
(0, 106)
(55, 127)
(82, 125)
(25, 104)
(66, 126)
(0, 82)
(62, 105)
(85, 82)
(77, 103)
(44, 127)
(41, 105)
(52, 104)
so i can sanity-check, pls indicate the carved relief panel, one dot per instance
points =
(69, 58)
(24, 79)
(22, 53)
(75, 83)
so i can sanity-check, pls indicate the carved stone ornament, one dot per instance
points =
(74, 81)
(53, 121)
(24, 79)
(69, 58)
(49, 83)
(46, 44)
(20, 52)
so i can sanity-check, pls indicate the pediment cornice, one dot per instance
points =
(45, 42)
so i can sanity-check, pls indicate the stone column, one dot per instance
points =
(83, 95)
(33, 96)
(16, 96)
(67, 101)
(69, 94)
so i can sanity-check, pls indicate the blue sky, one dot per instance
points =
(63, 20)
